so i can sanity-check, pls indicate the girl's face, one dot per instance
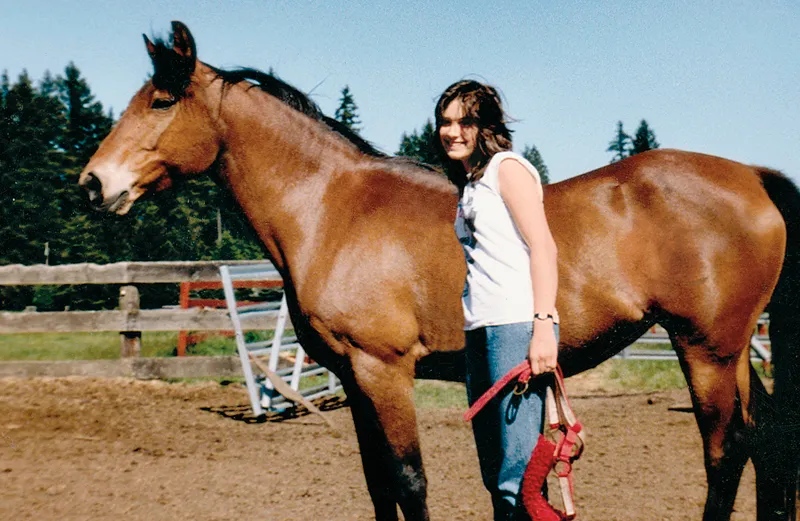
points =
(458, 133)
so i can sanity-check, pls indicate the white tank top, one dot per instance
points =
(498, 289)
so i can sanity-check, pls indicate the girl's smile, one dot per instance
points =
(458, 134)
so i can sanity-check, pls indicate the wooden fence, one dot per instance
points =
(128, 317)
(129, 320)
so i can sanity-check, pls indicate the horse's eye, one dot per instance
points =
(163, 103)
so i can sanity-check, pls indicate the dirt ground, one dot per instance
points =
(92, 449)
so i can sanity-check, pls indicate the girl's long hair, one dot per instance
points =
(482, 104)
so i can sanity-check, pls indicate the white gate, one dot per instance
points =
(286, 356)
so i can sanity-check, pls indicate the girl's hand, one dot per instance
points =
(543, 351)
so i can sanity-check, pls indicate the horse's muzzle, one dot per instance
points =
(94, 192)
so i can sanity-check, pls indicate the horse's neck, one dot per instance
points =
(278, 163)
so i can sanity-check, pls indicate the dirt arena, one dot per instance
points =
(91, 449)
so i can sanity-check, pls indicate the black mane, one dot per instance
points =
(278, 88)
(172, 72)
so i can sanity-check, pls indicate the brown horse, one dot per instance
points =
(374, 272)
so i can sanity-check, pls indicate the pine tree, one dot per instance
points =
(644, 140)
(347, 112)
(421, 146)
(5, 122)
(30, 124)
(5, 86)
(620, 145)
(531, 153)
(87, 125)
(29, 165)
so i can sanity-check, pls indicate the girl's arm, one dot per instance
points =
(520, 192)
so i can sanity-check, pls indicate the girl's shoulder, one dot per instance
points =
(490, 175)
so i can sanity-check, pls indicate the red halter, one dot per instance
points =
(547, 455)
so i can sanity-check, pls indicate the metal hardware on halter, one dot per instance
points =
(521, 388)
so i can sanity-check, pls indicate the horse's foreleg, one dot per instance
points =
(373, 450)
(385, 419)
(717, 408)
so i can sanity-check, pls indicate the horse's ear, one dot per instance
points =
(182, 42)
(151, 48)
(173, 67)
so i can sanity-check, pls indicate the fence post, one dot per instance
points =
(183, 336)
(130, 341)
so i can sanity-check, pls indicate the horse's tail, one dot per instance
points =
(784, 333)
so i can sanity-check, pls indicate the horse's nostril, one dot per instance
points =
(93, 186)
(92, 182)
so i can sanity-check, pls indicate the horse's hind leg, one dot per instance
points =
(767, 453)
(381, 397)
(716, 379)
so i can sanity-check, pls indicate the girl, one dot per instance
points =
(510, 292)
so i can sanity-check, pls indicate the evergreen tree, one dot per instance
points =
(531, 153)
(5, 122)
(421, 146)
(29, 167)
(620, 145)
(30, 124)
(644, 140)
(5, 86)
(41, 206)
(347, 112)
(86, 125)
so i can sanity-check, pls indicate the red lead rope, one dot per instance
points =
(521, 373)
(547, 455)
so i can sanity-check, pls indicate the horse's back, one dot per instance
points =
(661, 233)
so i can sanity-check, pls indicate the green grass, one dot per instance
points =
(652, 375)
(106, 345)
(219, 345)
(645, 375)
(79, 346)
(433, 394)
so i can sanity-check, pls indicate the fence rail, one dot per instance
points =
(129, 320)
(193, 319)
(117, 273)
(141, 368)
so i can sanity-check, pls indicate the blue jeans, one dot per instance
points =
(507, 428)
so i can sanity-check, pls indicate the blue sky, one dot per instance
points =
(715, 77)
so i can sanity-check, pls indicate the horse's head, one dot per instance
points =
(168, 130)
